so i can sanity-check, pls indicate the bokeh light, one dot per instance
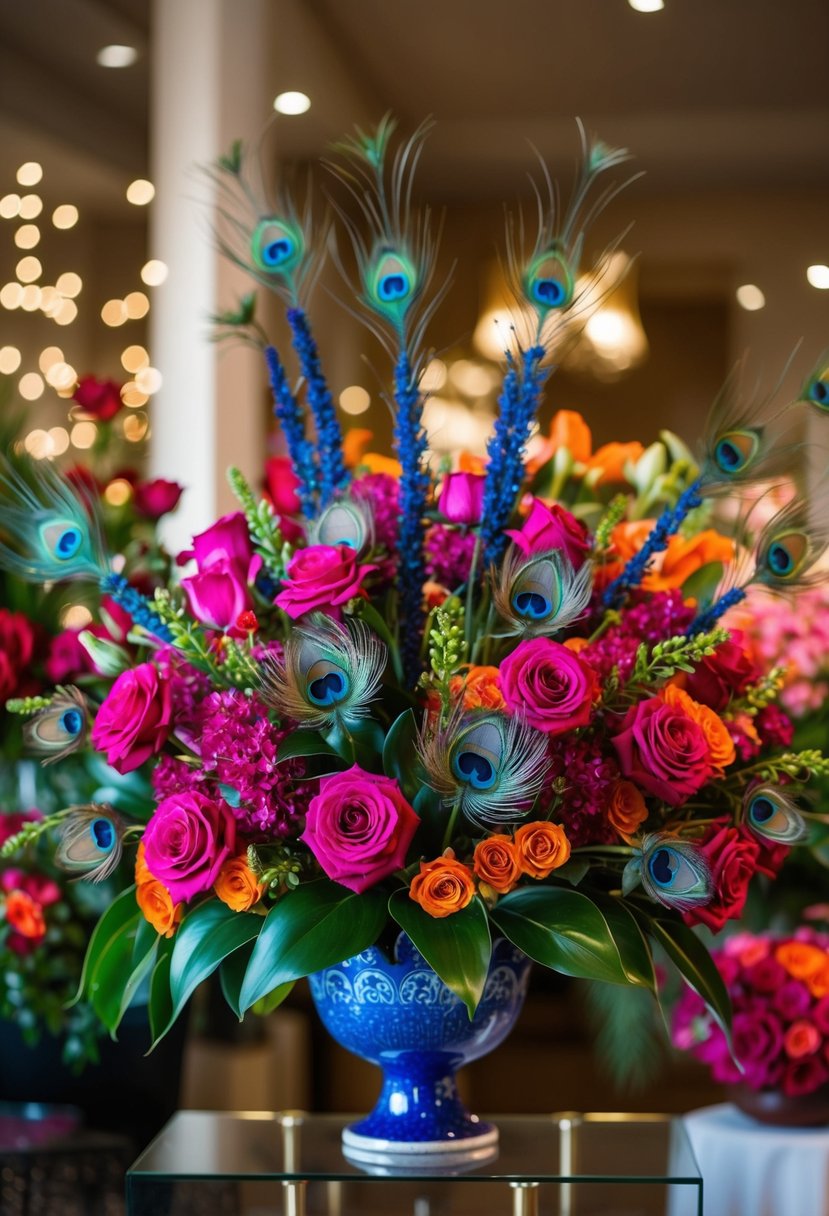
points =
(65, 216)
(140, 192)
(154, 272)
(30, 173)
(30, 386)
(10, 358)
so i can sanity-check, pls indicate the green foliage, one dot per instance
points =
(447, 650)
(263, 526)
(457, 947)
(655, 665)
(629, 1043)
(235, 669)
(27, 705)
(614, 515)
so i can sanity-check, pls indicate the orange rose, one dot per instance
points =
(577, 645)
(237, 885)
(567, 430)
(376, 462)
(442, 887)
(684, 557)
(818, 983)
(612, 458)
(721, 750)
(496, 863)
(629, 537)
(157, 907)
(801, 1039)
(142, 874)
(800, 959)
(626, 809)
(434, 595)
(25, 915)
(542, 848)
(480, 687)
(469, 463)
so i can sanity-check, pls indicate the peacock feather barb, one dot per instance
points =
(50, 532)
(539, 595)
(289, 414)
(668, 524)
(674, 872)
(333, 475)
(771, 814)
(91, 842)
(60, 728)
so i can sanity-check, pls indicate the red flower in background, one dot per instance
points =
(100, 398)
(18, 643)
(153, 499)
(281, 488)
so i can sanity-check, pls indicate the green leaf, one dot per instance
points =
(373, 618)
(232, 972)
(145, 938)
(267, 1004)
(694, 964)
(702, 584)
(317, 925)
(117, 915)
(160, 1004)
(400, 757)
(367, 732)
(114, 981)
(562, 929)
(634, 952)
(303, 743)
(457, 947)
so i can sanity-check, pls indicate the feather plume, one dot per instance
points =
(345, 522)
(542, 594)
(674, 872)
(771, 814)
(91, 842)
(60, 728)
(50, 532)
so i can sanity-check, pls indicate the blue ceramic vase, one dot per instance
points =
(401, 1016)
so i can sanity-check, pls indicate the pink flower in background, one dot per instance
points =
(321, 577)
(99, 398)
(187, 842)
(547, 528)
(798, 641)
(67, 658)
(804, 1076)
(548, 685)
(802, 1039)
(281, 483)
(11, 824)
(135, 719)
(462, 498)
(152, 499)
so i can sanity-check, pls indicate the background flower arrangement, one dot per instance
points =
(500, 705)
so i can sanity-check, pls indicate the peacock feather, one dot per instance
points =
(491, 766)
(816, 389)
(674, 872)
(50, 532)
(91, 842)
(771, 814)
(330, 672)
(344, 522)
(60, 728)
(539, 595)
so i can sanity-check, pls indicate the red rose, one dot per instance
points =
(67, 658)
(100, 398)
(135, 719)
(722, 675)
(321, 577)
(153, 499)
(732, 857)
(549, 684)
(281, 484)
(17, 647)
(14, 821)
(663, 751)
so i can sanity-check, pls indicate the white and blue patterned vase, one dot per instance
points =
(401, 1016)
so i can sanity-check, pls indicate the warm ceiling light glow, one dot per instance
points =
(11, 295)
(31, 206)
(49, 356)
(292, 103)
(818, 276)
(434, 377)
(750, 297)
(69, 284)
(136, 304)
(30, 299)
(135, 427)
(28, 269)
(154, 272)
(116, 56)
(471, 378)
(114, 312)
(9, 359)
(27, 236)
(65, 216)
(140, 192)
(133, 358)
(647, 6)
(50, 300)
(60, 439)
(38, 444)
(354, 399)
(62, 377)
(30, 173)
(9, 206)
(131, 396)
(30, 386)
(118, 492)
(148, 380)
(75, 616)
(66, 312)
(83, 434)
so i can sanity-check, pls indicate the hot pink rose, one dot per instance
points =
(187, 842)
(662, 750)
(67, 657)
(100, 398)
(135, 719)
(792, 1000)
(550, 685)
(359, 827)
(227, 540)
(152, 499)
(462, 498)
(281, 484)
(758, 1040)
(732, 858)
(547, 528)
(321, 577)
(218, 596)
(722, 675)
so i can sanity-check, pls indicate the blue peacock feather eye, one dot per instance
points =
(532, 604)
(72, 721)
(103, 834)
(474, 769)
(735, 451)
(60, 728)
(549, 282)
(772, 815)
(276, 245)
(541, 594)
(674, 872)
(327, 684)
(91, 842)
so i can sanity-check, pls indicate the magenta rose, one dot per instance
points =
(820, 1014)
(758, 1041)
(100, 398)
(135, 719)
(359, 827)
(462, 498)
(321, 577)
(217, 597)
(804, 1076)
(187, 842)
(792, 1000)
(547, 528)
(281, 485)
(732, 858)
(228, 541)
(766, 975)
(550, 685)
(722, 675)
(152, 499)
(662, 750)
(67, 658)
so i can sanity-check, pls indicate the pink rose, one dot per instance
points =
(100, 398)
(758, 1041)
(766, 975)
(67, 657)
(359, 827)
(227, 540)
(732, 858)
(321, 577)
(135, 719)
(804, 1076)
(722, 675)
(187, 842)
(217, 597)
(152, 499)
(462, 498)
(547, 528)
(792, 1000)
(550, 685)
(662, 750)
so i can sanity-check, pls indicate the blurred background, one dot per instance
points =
(108, 268)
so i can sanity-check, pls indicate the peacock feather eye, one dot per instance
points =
(71, 722)
(103, 834)
(276, 246)
(91, 843)
(786, 554)
(674, 872)
(735, 450)
(391, 282)
(817, 389)
(344, 523)
(772, 815)
(62, 538)
(327, 684)
(60, 728)
(476, 756)
(541, 594)
(549, 282)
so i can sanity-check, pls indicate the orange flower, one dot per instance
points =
(577, 645)
(25, 915)
(721, 750)
(626, 809)
(612, 458)
(480, 686)
(684, 557)
(801, 1039)
(157, 907)
(442, 887)
(800, 959)
(496, 862)
(818, 983)
(375, 462)
(142, 873)
(542, 848)
(469, 463)
(434, 595)
(567, 430)
(237, 886)
(355, 442)
(629, 537)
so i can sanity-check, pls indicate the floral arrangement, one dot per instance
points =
(779, 991)
(494, 702)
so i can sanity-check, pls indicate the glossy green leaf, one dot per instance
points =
(313, 927)
(160, 1002)
(695, 965)
(400, 758)
(114, 980)
(457, 947)
(562, 929)
(634, 952)
(119, 913)
(303, 743)
(702, 584)
(267, 1004)
(145, 937)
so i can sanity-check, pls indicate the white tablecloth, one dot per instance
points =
(751, 1169)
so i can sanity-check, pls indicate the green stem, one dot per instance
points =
(450, 826)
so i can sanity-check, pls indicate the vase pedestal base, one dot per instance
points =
(381, 1155)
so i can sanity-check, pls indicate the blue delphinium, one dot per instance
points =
(410, 442)
(300, 449)
(332, 471)
(708, 619)
(133, 602)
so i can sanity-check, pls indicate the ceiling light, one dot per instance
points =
(116, 57)
(647, 6)
(292, 103)
(818, 276)
(750, 297)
